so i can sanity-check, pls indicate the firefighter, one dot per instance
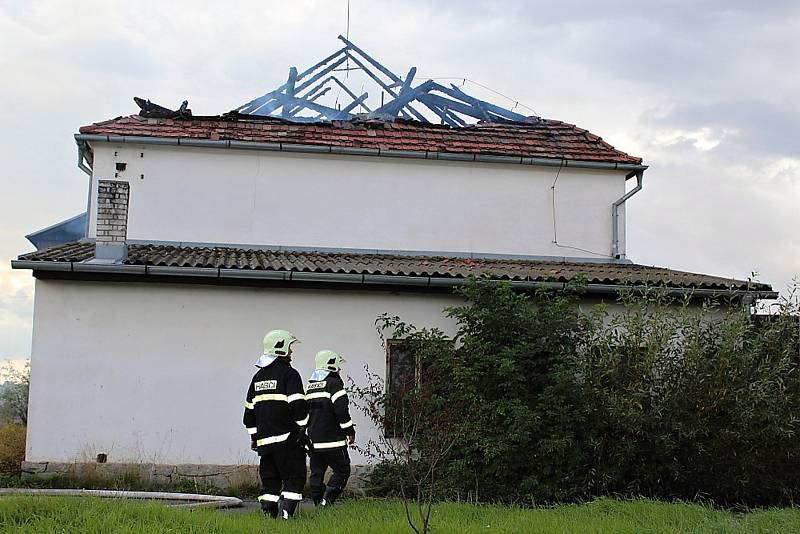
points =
(275, 415)
(330, 428)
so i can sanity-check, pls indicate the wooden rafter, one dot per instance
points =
(302, 90)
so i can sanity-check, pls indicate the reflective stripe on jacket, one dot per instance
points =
(329, 422)
(275, 406)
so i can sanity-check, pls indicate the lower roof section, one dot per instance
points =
(165, 261)
(61, 233)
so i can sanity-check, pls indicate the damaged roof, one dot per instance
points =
(543, 138)
(434, 267)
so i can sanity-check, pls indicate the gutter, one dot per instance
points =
(350, 151)
(615, 253)
(360, 279)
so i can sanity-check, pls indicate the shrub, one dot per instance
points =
(512, 372)
(12, 449)
(498, 388)
(14, 392)
(694, 402)
(664, 399)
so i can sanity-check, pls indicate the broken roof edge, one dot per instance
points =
(543, 138)
(531, 123)
(354, 151)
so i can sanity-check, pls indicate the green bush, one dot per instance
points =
(684, 405)
(664, 399)
(14, 392)
(12, 449)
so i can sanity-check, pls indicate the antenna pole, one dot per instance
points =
(347, 33)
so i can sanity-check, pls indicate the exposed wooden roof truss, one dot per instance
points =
(298, 98)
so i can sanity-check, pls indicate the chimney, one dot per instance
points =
(112, 220)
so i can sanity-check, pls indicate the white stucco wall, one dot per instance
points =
(158, 373)
(273, 198)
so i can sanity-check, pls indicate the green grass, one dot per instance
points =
(96, 516)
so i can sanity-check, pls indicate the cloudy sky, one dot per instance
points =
(708, 92)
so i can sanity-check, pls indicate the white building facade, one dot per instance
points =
(323, 201)
(147, 328)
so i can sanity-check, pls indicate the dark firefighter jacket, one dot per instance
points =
(329, 417)
(275, 409)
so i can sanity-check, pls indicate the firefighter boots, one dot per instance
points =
(331, 494)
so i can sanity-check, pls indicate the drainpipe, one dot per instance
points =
(615, 252)
(83, 152)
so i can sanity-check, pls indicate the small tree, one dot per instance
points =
(14, 393)
(418, 426)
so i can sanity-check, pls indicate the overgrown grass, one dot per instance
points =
(12, 447)
(96, 516)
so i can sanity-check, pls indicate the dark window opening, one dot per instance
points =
(401, 365)
(402, 375)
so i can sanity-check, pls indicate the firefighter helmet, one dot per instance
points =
(329, 360)
(277, 342)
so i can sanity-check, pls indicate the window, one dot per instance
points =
(401, 378)
(401, 365)
(408, 375)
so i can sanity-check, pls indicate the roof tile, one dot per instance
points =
(542, 138)
(397, 265)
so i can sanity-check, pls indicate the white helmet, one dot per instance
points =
(277, 342)
(328, 360)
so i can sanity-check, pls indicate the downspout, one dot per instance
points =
(83, 152)
(615, 211)
(82, 156)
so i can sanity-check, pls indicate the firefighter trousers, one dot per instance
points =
(282, 470)
(338, 460)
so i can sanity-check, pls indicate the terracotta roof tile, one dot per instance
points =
(544, 138)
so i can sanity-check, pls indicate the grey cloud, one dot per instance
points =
(539, 13)
(724, 64)
(114, 56)
(17, 303)
(698, 214)
(760, 127)
(693, 50)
